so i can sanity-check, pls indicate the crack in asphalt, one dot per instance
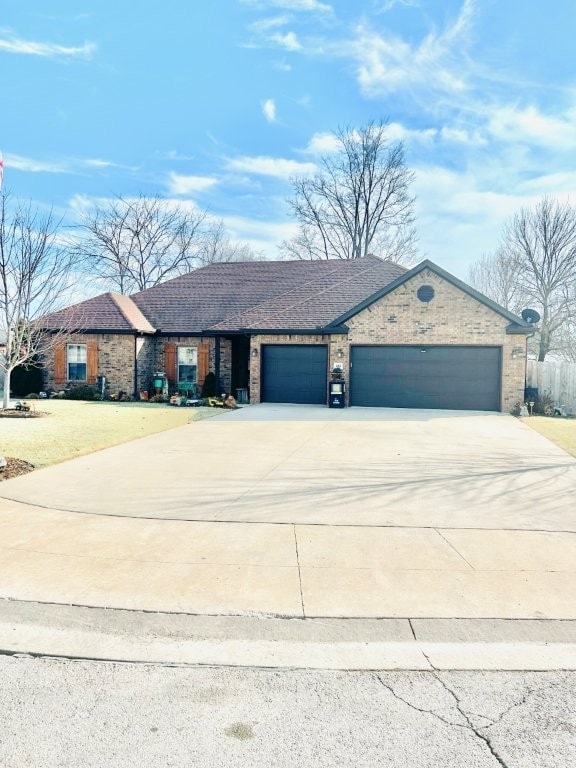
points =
(479, 731)
(471, 726)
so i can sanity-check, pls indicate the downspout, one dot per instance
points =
(217, 364)
(528, 336)
(135, 366)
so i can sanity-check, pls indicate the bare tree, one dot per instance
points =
(216, 246)
(358, 202)
(35, 274)
(497, 276)
(535, 265)
(134, 244)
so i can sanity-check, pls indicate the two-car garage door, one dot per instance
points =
(451, 377)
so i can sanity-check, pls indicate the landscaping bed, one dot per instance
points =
(12, 413)
(15, 467)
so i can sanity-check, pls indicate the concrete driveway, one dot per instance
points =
(311, 465)
(303, 511)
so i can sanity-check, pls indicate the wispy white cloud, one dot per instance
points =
(292, 5)
(472, 137)
(560, 184)
(10, 43)
(262, 235)
(264, 26)
(400, 132)
(173, 154)
(327, 142)
(387, 5)
(278, 167)
(269, 110)
(179, 184)
(288, 41)
(62, 165)
(29, 165)
(530, 125)
(323, 143)
(386, 63)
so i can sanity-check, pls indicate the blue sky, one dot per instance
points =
(216, 103)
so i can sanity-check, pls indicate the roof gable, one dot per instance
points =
(517, 324)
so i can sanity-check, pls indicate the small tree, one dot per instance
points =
(497, 276)
(217, 247)
(134, 244)
(358, 202)
(36, 268)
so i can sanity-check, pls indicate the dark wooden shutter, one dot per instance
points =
(203, 361)
(92, 362)
(170, 361)
(60, 365)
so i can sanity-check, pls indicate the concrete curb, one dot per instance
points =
(250, 641)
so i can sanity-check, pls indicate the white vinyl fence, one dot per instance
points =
(559, 379)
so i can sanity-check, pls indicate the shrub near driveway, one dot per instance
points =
(73, 428)
(558, 430)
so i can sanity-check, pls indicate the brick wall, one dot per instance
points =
(115, 360)
(194, 341)
(452, 317)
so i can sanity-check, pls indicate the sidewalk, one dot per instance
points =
(50, 556)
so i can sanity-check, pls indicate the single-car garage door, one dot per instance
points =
(294, 373)
(460, 378)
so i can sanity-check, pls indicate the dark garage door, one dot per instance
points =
(294, 373)
(461, 378)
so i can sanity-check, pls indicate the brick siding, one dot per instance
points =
(115, 361)
(452, 317)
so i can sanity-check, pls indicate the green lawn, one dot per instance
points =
(560, 431)
(74, 428)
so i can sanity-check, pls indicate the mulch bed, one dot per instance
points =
(15, 467)
(12, 413)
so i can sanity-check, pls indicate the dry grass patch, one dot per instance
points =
(560, 431)
(74, 428)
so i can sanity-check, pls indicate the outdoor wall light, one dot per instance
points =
(517, 352)
(340, 352)
(255, 352)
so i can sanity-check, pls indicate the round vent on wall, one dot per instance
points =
(425, 293)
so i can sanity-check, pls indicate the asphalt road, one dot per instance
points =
(56, 713)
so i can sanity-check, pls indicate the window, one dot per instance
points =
(187, 368)
(76, 362)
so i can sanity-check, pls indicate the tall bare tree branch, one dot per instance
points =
(36, 270)
(358, 202)
(134, 244)
(535, 265)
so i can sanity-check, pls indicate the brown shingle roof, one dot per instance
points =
(265, 295)
(106, 312)
(319, 301)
